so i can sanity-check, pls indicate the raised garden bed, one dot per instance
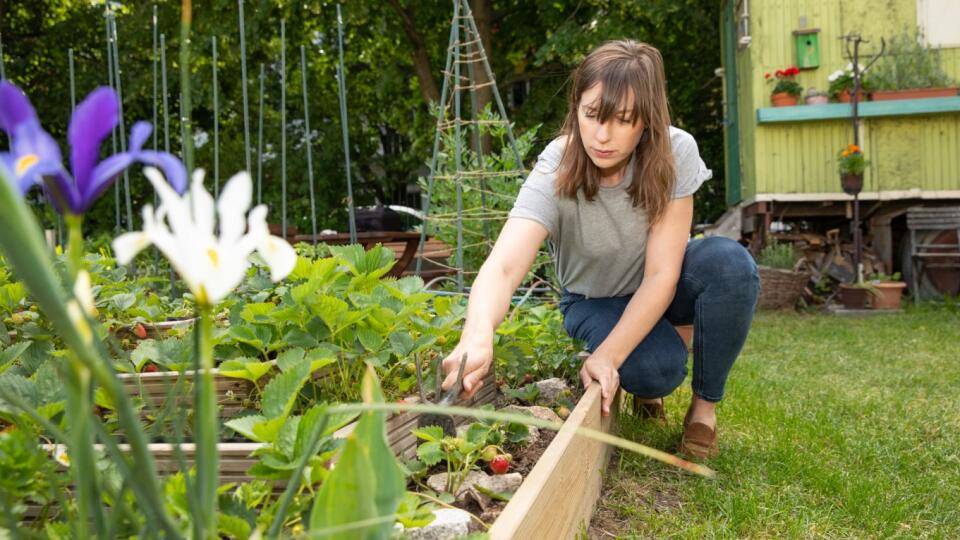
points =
(562, 479)
(154, 388)
(558, 497)
(400, 426)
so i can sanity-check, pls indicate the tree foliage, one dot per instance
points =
(534, 46)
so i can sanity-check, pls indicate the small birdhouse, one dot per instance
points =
(808, 47)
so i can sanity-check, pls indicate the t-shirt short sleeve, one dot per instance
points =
(537, 199)
(691, 170)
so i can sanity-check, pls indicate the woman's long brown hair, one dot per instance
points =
(622, 67)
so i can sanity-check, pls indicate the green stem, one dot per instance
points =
(82, 461)
(205, 428)
(75, 244)
(80, 405)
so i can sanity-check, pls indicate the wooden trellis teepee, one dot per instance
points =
(465, 57)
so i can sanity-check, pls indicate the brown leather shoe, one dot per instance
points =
(698, 440)
(649, 411)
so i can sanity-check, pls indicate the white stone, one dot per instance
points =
(543, 413)
(551, 389)
(449, 523)
(503, 483)
(438, 482)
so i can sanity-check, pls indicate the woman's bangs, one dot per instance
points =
(620, 91)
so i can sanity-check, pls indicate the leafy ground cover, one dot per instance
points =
(832, 428)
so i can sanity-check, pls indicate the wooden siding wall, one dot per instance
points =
(905, 152)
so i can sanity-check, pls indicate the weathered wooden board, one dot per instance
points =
(557, 498)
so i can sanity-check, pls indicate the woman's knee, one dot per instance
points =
(654, 377)
(724, 262)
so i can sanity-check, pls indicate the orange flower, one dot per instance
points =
(852, 148)
(845, 153)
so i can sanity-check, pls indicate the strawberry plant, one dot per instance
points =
(481, 441)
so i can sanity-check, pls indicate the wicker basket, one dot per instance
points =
(779, 288)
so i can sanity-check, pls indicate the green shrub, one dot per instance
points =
(908, 63)
(777, 255)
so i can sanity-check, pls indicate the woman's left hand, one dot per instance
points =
(603, 369)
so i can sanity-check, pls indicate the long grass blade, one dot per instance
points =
(484, 414)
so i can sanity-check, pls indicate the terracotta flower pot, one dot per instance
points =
(889, 294)
(914, 93)
(783, 99)
(845, 97)
(851, 183)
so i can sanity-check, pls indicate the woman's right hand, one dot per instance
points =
(479, 359)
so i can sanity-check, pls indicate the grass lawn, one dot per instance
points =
(831, 428)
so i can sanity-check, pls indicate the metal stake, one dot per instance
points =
(123, 126)
(283, 126)
(341, 75)
(307, 144)
(216, 123)
(243, 84)
(260, 143)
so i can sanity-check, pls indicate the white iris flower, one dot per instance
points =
(182, 228)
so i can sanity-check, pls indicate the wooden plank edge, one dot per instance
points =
(558, 497)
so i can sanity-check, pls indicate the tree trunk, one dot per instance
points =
(421, 62)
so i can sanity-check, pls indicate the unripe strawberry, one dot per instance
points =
(489, 453)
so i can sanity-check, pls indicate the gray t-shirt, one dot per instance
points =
(600, 246)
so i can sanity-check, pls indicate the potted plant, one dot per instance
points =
(816, 97)
(910, 70)
(851, 165)
(888, 290)
(780, 284)
(786, 91)
(857, 295)
(841, 85)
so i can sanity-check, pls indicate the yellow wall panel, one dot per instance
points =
(905, 152)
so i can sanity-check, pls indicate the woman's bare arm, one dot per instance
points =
(501, 274)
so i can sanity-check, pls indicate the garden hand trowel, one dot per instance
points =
(443, 398)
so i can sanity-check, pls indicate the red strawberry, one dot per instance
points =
(500, 464)
(527, 379)
(140, 331)
(150, 368)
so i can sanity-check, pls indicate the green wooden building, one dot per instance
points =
(781, 163)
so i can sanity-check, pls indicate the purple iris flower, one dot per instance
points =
(35, 158)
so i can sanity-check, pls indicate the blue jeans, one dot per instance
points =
(717, 293)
